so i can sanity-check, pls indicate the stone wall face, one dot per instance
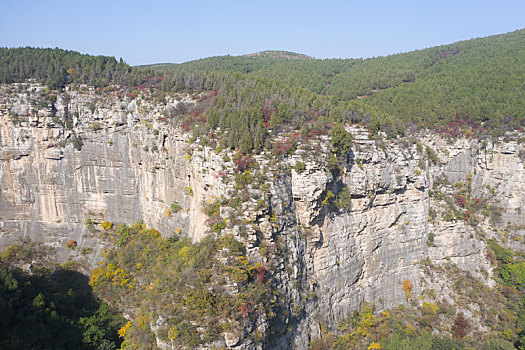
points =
(129, 168)
(133, 165)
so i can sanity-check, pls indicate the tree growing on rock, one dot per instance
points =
(341, 140)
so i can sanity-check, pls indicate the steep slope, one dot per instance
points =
(472, 79)
(289, 217)
(109, 164)
(328, 239)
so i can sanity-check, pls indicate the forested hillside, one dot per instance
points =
(52, 307)
(473, 87)
(478, 80)
(57, 67)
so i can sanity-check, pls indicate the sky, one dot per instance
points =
(146, 32)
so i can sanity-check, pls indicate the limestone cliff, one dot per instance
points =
(402, 208)
(129, 167)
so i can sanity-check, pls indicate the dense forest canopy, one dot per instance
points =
(57, 67)
(480, 78)
(468, 88)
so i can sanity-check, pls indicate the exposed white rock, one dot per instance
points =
(334, 259)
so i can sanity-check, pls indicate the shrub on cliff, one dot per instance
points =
(514, 275)
(185, 283)
(341, 140)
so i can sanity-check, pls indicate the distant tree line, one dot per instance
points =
(57, 67)
(469, 88)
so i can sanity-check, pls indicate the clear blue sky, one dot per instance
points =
(153, 31)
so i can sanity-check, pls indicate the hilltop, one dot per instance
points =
(478, 81)
(280, 54)
(473, 87)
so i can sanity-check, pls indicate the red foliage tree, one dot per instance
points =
(222, 174)
(491, 257)
(460, 200)
(268, 110)
(242, 164)
(260, 274)
(282, 147)
(460, 327)
(245, 309)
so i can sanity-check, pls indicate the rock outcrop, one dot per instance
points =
(134, 164)
(130, 167)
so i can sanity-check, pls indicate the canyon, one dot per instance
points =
(134, 163)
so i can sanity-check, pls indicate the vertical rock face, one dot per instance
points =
(133, 165)
(130, 167)
(367, 250)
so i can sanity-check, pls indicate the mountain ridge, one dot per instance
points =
(280, 54)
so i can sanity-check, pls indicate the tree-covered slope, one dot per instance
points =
(483, 79)
(57, 67)
(51, 307)
(480, 80)
(478, 84)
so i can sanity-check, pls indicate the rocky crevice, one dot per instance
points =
(324, 260)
